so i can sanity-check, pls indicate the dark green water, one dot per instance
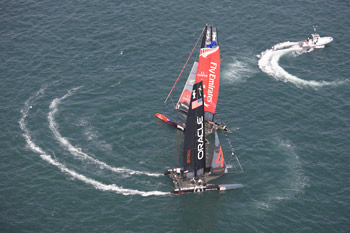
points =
(82, 151)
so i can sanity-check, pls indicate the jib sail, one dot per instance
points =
(194, 145)
(208, 70)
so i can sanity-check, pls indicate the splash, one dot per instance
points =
(239, 70)
(268, 63)
(48, 158)
(77, 152)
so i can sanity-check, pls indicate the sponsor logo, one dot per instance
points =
(193, 94)
(200, 135)
(188, 157)
(212, 77)
(198, 189)
(207, 51)
(214, 36)
(202, 75)
(199, 91)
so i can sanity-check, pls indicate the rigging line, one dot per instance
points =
(233, 151)
(184, 66)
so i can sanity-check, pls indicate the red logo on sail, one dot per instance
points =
(188, 156)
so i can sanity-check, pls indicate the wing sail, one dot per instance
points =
(194, 146)
(208, 70)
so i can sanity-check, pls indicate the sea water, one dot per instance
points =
(81, 149)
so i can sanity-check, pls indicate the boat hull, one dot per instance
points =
(320, 43)
(171, 122)
(199, 185)
(206, 188)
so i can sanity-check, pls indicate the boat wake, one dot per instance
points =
(48, 158)
(77, 152)
(268, 63)
(295, 180)
(291, 183)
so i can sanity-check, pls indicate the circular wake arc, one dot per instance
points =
(49, 159)
(269, 64)
(76, 152)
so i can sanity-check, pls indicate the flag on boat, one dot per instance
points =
(197, 103)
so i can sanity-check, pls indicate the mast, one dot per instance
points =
(193, 157)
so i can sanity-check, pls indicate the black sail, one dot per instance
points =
(194, 145)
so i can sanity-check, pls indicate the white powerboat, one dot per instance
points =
(316, 41)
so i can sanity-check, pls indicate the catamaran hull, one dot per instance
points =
(197, 185)
(206, 188)
(170, 122)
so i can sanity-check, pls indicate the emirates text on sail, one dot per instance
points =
(212, 77)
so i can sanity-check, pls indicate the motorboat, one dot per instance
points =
(316, 41)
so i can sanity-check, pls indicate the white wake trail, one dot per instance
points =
(77, 151)
(269, 59)
(48, 158)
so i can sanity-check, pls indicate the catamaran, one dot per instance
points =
(199, 166)
(202, 161)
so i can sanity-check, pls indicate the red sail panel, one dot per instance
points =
(208, 71)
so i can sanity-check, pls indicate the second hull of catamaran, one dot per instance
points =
(183, 185)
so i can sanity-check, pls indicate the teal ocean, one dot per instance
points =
(81, 149)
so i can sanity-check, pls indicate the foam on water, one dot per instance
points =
(77, 152)
(239, 70)
(48, 158)
(268, 63)
(289, 184)
(294, 165)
